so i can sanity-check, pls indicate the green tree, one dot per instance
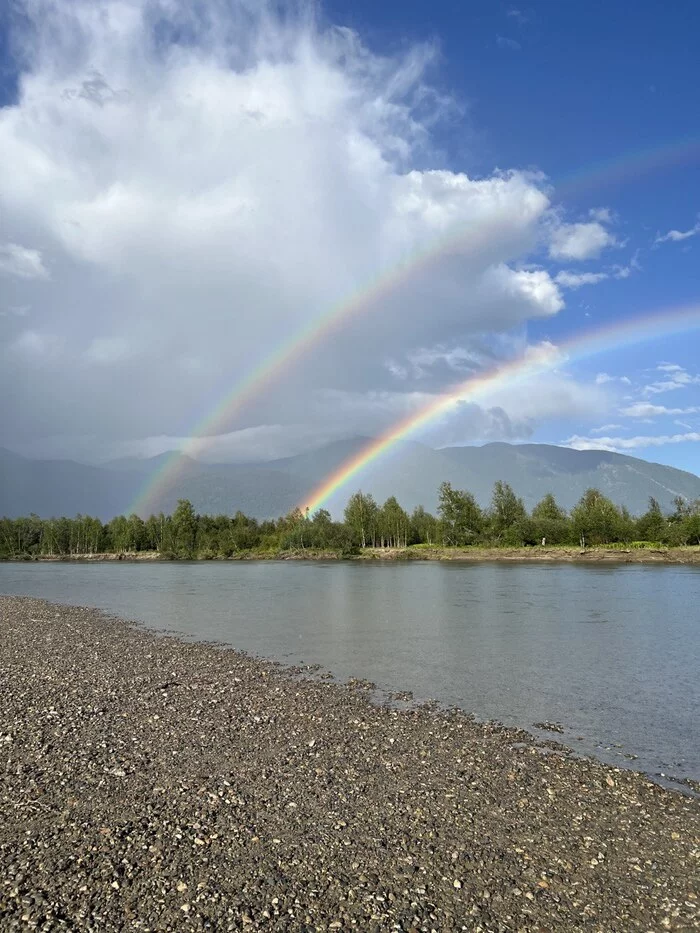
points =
(244, 533)
(691, 528)
(361, 514)
(462, 520)
(184, 528)
(322, 531)
(652, 526)
(549, 523)
(423, 527)
(118, 534)
(681, 509)
(294, 530)
(507, 511)
(136, 533)
(596, 520)
(548, 509)
(154, 527)
(393, 524)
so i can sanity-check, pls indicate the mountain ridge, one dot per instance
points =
(266, 489)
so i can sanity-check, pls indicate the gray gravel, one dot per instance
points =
(152, 784)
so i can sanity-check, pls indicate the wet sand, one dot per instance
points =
(148, 783)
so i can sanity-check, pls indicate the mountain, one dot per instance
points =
(412, 472)
(536, 469)
(61, 487)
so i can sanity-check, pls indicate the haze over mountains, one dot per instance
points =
(412, 473)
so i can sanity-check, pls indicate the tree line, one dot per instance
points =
(460, 521)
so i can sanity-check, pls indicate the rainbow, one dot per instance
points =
(541, 359)
(629, 166)
(295, 348)
(625, 168)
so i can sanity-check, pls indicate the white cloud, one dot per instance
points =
(16, 311)
(606, 427)
(621, 272)
(602, 214)
(577, 279)
(603, 378)
(31, 345)
(677, 236)
(536, 288)
(205, 199)
(21, 262)
(107, 350)
(646, 410)
(624, 272)
(670, 368)
(580, 241)
(508, 412)
(458, 359)
(629, 443)
(677, 379)
(504, 42)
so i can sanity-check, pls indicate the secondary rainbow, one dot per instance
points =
(627, 167)
(545, 358)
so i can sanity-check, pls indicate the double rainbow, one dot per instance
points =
(626, 168)
(541, 359)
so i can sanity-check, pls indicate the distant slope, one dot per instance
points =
(62, 487)
(413, 472)
(536, 469)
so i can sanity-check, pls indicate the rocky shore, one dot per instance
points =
(148, 783)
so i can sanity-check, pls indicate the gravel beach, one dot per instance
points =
(148, 783)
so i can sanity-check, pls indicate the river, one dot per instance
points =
(611, 652)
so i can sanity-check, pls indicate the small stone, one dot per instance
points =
(457, 883)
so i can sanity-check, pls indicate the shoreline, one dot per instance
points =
(169, 784)
(561, 554)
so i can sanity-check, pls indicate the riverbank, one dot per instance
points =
(618, 554)
(150, 783)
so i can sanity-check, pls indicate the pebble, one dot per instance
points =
(137, 771)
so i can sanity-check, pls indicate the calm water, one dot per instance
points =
(612, 653)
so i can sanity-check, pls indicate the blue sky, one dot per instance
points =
(568, 88)
(146, 238)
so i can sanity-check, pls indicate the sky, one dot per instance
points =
(188, 188)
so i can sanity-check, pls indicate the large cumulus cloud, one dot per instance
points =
(183, 193)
